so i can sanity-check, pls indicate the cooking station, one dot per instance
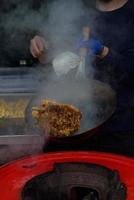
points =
(37, 163)
(19, 134)
(34, 177)
(80, 175)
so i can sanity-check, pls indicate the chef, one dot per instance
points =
(112, 47)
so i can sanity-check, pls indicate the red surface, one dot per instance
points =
(14, 175)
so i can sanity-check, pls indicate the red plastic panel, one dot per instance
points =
(14, 175)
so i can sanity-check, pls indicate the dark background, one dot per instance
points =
(14, 44)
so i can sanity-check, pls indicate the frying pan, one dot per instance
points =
(96, 101)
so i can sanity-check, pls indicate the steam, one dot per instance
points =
(59, 23)
(63, 24)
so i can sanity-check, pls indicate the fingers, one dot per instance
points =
(34, 49)
(37, 46)
(40, 44)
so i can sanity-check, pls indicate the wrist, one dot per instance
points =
(43, 58)
(104, 52)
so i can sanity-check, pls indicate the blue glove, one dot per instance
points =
(94, 46)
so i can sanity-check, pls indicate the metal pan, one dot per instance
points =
(96, 101)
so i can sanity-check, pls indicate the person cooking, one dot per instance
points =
(112, 47)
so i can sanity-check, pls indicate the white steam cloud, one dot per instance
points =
(59, 23)
(56, 20)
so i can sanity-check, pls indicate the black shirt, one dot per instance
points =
(115, 29)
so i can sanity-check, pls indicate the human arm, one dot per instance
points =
(107, 56)
(123, 61)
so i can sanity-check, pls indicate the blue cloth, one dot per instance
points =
(94, 46)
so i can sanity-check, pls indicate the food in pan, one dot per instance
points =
(56, 118)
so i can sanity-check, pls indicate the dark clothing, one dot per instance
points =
(115, 29)
(111, 144)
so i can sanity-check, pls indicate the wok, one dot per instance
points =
(96, 101)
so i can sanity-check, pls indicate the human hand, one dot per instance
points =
(38, 47)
